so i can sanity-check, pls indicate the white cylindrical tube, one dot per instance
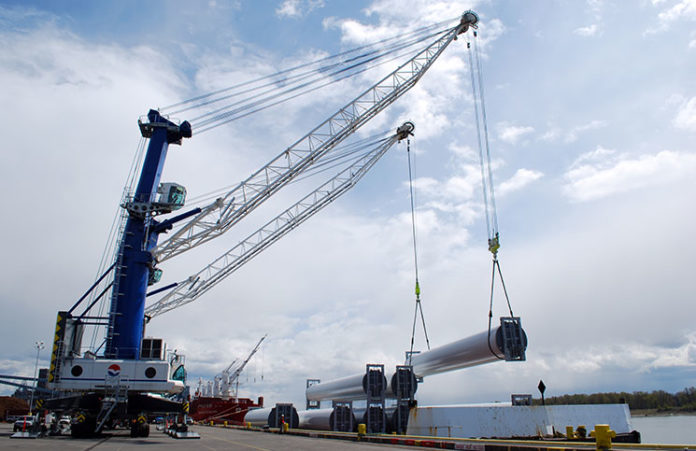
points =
(259, 417)
(347, 388)
(316, 419)
(475, 350)
(343, 389)
(268, 417)
(471, 351)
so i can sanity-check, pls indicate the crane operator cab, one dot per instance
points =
(171, 197)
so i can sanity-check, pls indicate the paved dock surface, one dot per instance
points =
(220, 438)
(211, 439)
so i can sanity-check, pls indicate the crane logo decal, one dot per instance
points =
(113, 371)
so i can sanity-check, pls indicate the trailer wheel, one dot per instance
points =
(139, 429)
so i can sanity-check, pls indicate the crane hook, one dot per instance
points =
(405, 130)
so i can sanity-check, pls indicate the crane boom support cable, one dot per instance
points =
(342, 153)
(304, 152)
(190, 289)
(314, 75)
(110, 248)
(260, 105)
(304, 65)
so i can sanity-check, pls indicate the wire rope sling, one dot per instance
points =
(510, 338)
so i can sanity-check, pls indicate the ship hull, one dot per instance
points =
(220, 410)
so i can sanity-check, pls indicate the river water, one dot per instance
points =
(670, 429)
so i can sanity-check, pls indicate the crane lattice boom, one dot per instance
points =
(226, 211)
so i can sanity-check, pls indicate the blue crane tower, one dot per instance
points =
(135, 267)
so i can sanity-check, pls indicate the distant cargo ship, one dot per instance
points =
(217, 401)
(218, 409)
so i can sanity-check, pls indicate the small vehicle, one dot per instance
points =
(23, 423)
(64, 425)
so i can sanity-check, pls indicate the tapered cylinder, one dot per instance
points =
(505, 342)
(467, 352)
(324, 420)
(273, 416)
(260, 417)
(344, 389)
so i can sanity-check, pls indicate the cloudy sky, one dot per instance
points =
(592, 118)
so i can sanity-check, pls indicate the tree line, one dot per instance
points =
(684, 401)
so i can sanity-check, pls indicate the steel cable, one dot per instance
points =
(228, 116)
(301, 66)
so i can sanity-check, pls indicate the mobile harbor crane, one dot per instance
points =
(129, 377)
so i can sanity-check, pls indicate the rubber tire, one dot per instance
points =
(84, 429)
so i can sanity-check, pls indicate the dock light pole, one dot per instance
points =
(39, 346)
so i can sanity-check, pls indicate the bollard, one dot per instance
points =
(603, 435)
(362, 429)
(225, 423)
(211, 422)
(286, 426)
(581, 431)
(248, 425)
(570, 434)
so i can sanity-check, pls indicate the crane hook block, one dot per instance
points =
(405, 130)
(469, 19)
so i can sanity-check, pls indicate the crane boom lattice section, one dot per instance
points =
(226, 211)
(199, 283)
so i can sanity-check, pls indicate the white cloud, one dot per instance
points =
(590, 30)
(686, 116)
(572, 135)
(513, 133)
(298, 8)
(519, 180)
(603, 172)
(683, 9)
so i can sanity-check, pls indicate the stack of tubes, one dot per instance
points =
(478, 349)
